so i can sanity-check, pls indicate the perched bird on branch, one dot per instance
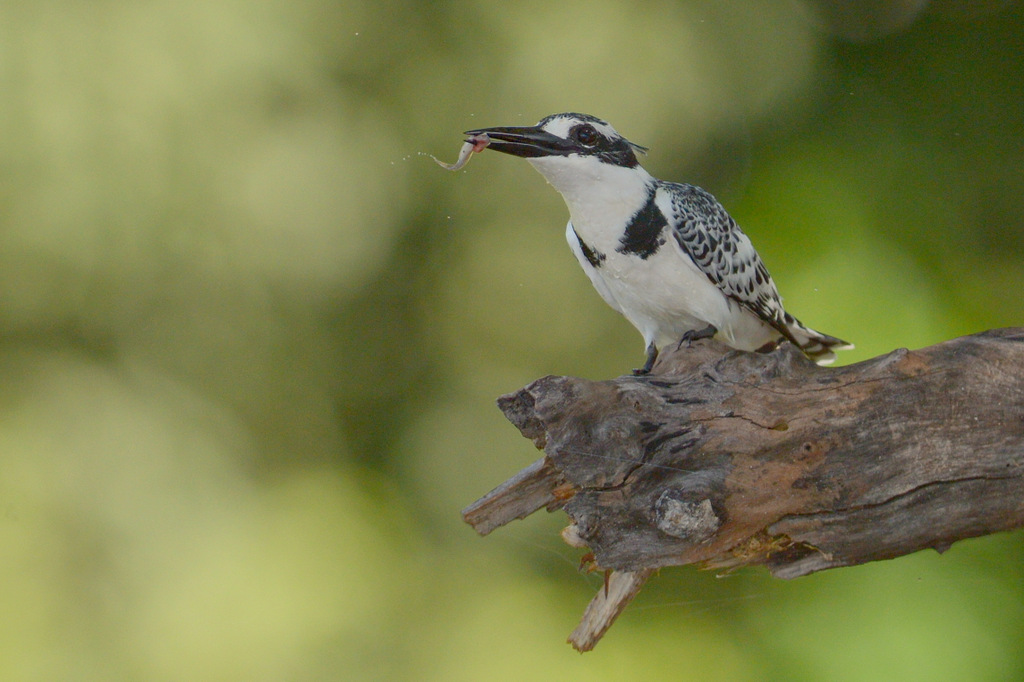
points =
(666, 255)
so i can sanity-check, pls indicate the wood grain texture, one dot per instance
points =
(723, 458)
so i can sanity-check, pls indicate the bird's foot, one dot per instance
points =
(652, 355)
(696, 335)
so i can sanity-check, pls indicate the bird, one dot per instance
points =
(665, 255)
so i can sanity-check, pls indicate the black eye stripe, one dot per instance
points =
(584, 138)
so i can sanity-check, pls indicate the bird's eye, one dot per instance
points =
(586, 135)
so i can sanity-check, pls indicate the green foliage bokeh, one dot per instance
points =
(250, 334)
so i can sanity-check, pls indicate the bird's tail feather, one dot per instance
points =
(815, 345)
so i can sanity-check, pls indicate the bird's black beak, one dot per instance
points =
(527, 142)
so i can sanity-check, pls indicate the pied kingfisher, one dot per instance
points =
(665, 255)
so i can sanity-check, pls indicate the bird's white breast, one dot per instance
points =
(664, 295)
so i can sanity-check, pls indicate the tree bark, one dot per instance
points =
(723, 459)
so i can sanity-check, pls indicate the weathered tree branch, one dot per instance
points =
(725, 459)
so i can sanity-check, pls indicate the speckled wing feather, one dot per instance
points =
(717, 245)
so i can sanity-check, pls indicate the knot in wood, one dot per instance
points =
(680, 515)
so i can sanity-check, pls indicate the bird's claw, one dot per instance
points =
(696, 335)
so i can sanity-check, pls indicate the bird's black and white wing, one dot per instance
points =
(718, 247)
(716, 244)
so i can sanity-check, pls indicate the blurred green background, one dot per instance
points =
(251, 336)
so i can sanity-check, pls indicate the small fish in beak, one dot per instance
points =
(474, 143)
